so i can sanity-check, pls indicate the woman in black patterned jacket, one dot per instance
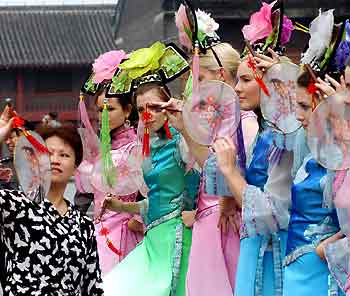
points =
(50, 248)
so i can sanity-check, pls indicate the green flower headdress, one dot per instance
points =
(158, 63)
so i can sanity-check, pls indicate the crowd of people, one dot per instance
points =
(239, 188)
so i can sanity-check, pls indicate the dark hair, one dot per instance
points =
(69, 135)
(53, 115)
(124, 101)
(305, 78)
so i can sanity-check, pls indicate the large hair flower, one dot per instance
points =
(143, 60)
(106, 65)
(287, 29)
(260, 25)
(206, 24)
(343, 51)
(183, 26)
(321, 30)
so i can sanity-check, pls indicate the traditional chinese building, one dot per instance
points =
(46, 52)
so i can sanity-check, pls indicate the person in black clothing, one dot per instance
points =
(50, 247)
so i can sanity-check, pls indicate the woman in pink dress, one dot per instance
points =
(215, 237)
(116, 233)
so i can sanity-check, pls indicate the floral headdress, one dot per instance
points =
(103, 69)
(329, 44)
(158, 63)
(196, 26)
(268, 27)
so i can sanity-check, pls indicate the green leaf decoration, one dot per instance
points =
(271, 39)
(119, 82)
(172, 64)
(201, 36)
(143, 60)
(188, 88)
(90, 85)
(188, 31)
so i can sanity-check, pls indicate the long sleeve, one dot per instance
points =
(92, 280)
(338, 260)
(265, 211)
(215, 183)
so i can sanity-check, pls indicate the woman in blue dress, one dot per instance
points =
(313, 220)
(264, 192)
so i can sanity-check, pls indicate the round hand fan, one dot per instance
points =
(33, 168)
(215, 114)
(279, 109)
(329, 132)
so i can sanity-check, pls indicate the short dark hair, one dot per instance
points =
(69, 135)
(53, 115)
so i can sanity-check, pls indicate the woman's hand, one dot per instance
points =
(188, 218)
(332, 87)
(321, 246)
(264, 62)
(226, 154)
(113, 204)
(174, 117)
(229, 215)
(135, 226)
(5, 124)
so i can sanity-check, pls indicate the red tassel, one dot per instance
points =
(312, 88)
(146, 151)
(18, 122)
(262, 85)
(37, 145)
(104, 231)
(167, 130)
(112, 247)
(258, 79)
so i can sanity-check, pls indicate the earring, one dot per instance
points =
(127, 123)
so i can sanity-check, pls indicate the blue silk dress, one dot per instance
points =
(310, 223)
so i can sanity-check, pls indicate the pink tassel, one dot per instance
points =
(195, 76)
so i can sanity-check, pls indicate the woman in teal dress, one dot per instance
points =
(158, 265)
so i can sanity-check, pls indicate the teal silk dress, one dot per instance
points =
(158, 265)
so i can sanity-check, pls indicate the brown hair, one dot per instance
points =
(69, 135)
(162, 91)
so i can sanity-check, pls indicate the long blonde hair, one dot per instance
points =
(228, 56)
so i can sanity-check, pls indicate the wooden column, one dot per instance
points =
(20, 93)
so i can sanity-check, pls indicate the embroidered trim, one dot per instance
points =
(277, 264)
(294, 255)
(171, 215)
(207, 212)
(177, 259)
(309, 248)
(332, 286)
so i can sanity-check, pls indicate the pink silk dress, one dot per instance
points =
(214, 254)
(119, 234)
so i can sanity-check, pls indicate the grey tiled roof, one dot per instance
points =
(54, 36)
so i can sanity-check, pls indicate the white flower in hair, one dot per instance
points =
(206, 23)
(321, 30)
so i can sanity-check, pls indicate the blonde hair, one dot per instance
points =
(228, 56)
